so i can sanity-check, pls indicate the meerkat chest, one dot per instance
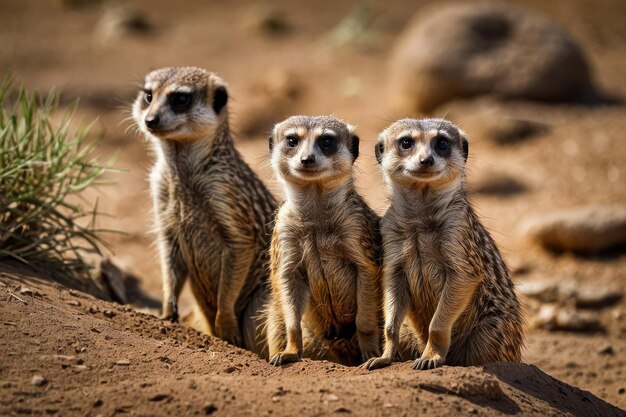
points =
(426, 264)
(331, 273)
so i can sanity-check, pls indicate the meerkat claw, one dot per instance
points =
(283, 358)
(376, 363)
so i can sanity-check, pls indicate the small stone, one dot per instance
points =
(73, 293)
(163, 330)
(551, 317)
(26, 291)
(597, 297)
(331, 398)
(75, 303)
(98, 403)
(586, 229)
(123, 362)
(39, 381)
(209, 409)
(498, 185)
(160, 397)
(607, 350)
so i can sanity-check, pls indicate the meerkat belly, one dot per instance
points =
(426, 273)
(201, 245)
(332, 281)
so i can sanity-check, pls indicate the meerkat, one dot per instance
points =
(213, 215)
(324, 255)
(441, 269)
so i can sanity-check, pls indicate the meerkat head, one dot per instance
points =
(427, 151)
(318, 149)
(180, 104)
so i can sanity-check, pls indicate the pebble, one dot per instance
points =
(551, 317)
(583, 296)
(160, 397)
(39, 381)
(332, 397)
(209, 409)
(123, 362)
(585, 229)
(26, 291)
(74, 303)
(109, 313)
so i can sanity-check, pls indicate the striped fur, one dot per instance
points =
(212, 213)
(324, 252)
(442, 271)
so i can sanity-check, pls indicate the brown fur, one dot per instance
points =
(213, 215)
(324, 252)
(442, 270)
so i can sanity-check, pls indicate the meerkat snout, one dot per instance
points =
(313, 149)
(422, 151)
(180, 104)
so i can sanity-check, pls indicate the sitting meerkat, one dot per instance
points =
(440, 266)
(324, 256)
(213, 215)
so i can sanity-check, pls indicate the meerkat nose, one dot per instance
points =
(308, 161)
(152, 122)
(427, 162)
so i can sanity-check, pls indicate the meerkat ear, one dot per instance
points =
(465, 148)
(271, 141)
(220, 98)
(354, 142)
(378, 150)
(354, 147)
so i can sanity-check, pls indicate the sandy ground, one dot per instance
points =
(580, 159)
(67, 353)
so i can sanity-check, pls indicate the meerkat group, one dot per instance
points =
(321, 275)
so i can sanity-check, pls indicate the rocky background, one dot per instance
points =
(539, 88)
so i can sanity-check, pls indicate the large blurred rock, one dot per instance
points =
(587, 229)
(463, 50)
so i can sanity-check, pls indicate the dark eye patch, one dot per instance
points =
(328, 144)
(442, 145)
(180, 102)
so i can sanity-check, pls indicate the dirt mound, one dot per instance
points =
(465, 49)
(67, 353)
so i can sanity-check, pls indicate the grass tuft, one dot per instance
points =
(44, 167)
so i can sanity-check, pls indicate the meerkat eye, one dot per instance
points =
(406, 143)
(180, 102)
(327, 141)
(442, 146)
(148, 96)
(292, 141)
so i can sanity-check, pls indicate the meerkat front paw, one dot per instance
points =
(282, 358)
(375, 363)
(227, 328)
(428, 362)
(170, 312)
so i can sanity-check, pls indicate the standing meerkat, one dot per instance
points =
(440, 267)
(325, 247)
(213, 215)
